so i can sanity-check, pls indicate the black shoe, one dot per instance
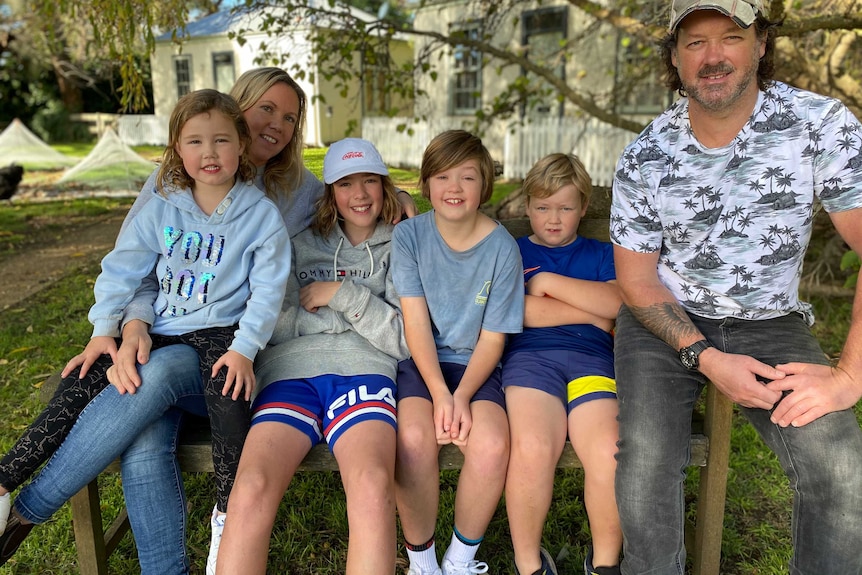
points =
(547, 568)
(15, 533)
(590, 570)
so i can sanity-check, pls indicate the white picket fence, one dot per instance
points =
(597, 144)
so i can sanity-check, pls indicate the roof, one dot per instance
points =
(220, 23)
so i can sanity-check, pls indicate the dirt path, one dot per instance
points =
(36, 268)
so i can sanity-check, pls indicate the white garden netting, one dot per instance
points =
(18, 145)
(111, 165)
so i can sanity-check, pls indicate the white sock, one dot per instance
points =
(461, 552)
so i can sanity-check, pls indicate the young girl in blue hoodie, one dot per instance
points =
(221, 255)
(330, 373)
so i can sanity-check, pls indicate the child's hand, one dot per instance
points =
(462, 422)
(317, 294)
(96, 347)
(444, 408)
(240, 374)
(536, 285)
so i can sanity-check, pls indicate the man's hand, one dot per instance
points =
(812, 391)
(736, 377)
(96, 347)
(240, 374)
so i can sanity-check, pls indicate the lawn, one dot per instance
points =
(40, 334)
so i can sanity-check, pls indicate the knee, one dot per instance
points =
(533, 450)
(489, 452)
(414, 444)
(373, 487)
(251, 488)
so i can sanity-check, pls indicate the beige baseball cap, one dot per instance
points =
(743, 12)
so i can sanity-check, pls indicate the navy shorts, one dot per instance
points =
(411, 384)
(573, 377)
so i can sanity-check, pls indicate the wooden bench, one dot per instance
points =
(710, 449)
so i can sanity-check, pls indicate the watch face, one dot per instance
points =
(688, 358)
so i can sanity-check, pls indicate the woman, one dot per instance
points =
(146, 434)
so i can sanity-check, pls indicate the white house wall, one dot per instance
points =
(590, 68)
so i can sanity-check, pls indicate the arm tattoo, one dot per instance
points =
(668, 321)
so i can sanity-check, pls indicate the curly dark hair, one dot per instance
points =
(764, 27)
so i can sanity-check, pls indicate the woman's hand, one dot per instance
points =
(96, 347)
(408, 206)
(134, 350)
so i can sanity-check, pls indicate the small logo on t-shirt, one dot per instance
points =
(482, 296)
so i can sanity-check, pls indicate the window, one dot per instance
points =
(467, 80)
(223, 71)
(376, 100)
(183, 73)
(638, 84)
(544, 35)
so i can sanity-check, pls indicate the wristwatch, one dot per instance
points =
(690, 356)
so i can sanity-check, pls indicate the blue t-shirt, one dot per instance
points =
(467, 291)
(585, 259)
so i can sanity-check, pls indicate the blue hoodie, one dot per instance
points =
(213, 271)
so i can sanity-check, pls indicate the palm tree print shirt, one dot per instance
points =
(733, 223)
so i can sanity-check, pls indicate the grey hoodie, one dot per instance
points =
(360, 332)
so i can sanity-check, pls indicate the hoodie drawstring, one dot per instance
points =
(335, 258)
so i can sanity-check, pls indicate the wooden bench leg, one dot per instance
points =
(713, 484)
(89, 538)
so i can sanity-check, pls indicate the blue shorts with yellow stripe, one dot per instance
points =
(574, 377)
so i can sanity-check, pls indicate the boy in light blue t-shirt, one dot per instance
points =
(458, 274)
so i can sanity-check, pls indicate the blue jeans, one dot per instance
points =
(823, 460)
(141, 429)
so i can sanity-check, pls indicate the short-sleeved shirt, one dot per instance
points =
(585, 259)
(733, 223)
(466, 291)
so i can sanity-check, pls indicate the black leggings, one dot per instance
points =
(229, 419)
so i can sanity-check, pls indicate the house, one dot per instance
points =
(598, 62)
(207, 54)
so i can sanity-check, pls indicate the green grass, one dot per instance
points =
(39, 335)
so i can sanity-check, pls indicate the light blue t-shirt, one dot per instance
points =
(479, 288)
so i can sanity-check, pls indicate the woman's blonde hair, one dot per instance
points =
(555, 171)
(172, 172)
(283, 172)
(326, 213)
(450, 149)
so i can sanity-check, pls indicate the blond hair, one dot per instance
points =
(450, 149)
(283, 172)
(553, 172)
(172, 172)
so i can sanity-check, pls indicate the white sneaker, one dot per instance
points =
(450, 568)
(417, 571)
(217, 524)
(5, 509)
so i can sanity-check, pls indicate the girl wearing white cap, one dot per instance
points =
(330, 374)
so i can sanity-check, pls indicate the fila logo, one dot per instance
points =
(360, 395)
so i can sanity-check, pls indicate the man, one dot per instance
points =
(711, 218)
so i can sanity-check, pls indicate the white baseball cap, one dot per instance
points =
(743, 12)
(352, 156)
